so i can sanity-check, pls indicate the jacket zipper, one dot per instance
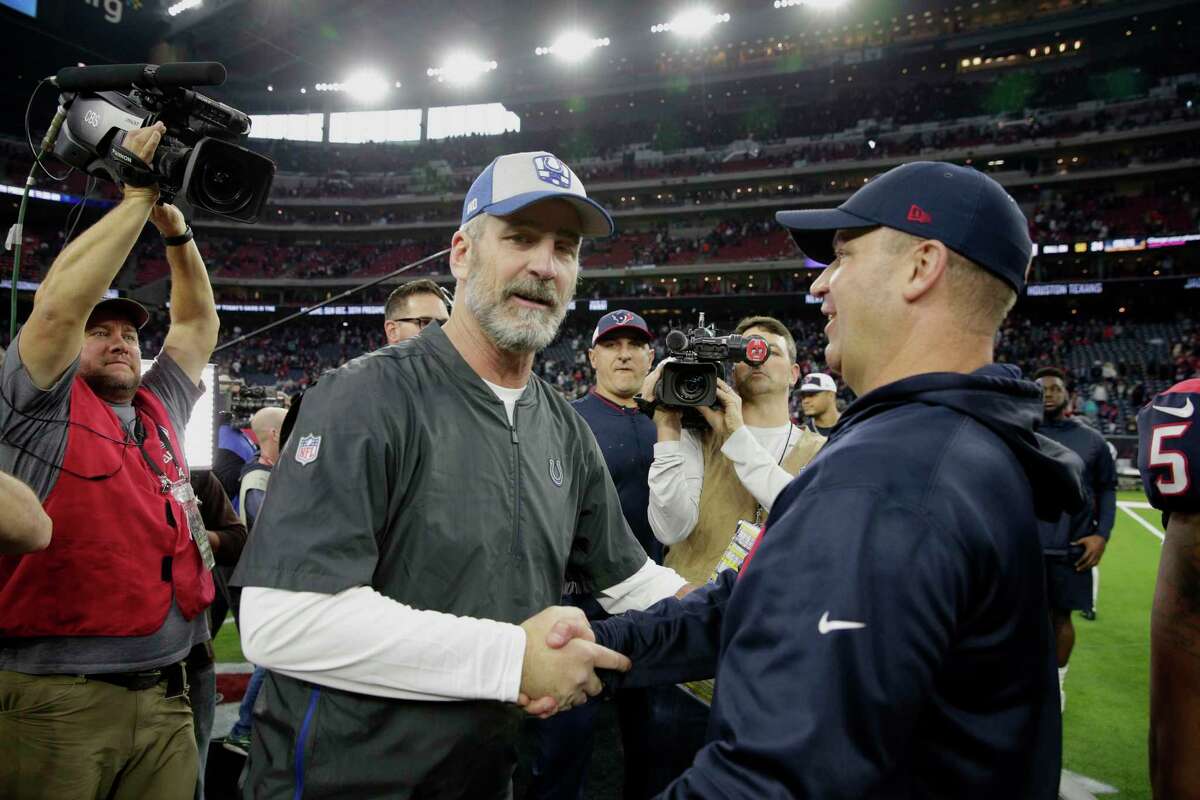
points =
(516, 443)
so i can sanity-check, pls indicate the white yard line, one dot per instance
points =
(1129, 506)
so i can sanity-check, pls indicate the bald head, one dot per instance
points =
(266, 423)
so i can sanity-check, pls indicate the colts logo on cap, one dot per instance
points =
(556, 472)
(551, 170)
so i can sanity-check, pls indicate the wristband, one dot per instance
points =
(183, 238)
(647, 407)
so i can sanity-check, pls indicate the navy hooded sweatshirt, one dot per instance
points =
(890, 637)
(1099, 481)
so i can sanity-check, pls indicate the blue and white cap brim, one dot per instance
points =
(594, 220)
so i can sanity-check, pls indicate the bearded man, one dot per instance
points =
(430, 502)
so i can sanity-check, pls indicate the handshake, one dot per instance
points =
(561, 659)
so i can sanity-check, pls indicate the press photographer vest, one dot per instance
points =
(724, 501)
(120, 547)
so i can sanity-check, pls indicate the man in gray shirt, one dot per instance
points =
(421, 515)
(94, 628)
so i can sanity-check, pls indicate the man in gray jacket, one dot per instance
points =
(432, 497)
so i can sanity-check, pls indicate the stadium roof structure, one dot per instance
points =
(292, 47)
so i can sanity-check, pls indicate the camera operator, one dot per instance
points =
(94, 630)
(702, 484)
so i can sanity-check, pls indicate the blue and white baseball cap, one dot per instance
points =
(514, 181)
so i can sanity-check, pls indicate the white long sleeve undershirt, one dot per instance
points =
(677, 475)
(361, 641)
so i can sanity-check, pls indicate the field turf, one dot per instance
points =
(1108, 690)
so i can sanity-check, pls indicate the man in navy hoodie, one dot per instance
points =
(888, 637)
(1074, 544)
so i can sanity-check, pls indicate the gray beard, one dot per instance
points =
(532, 333)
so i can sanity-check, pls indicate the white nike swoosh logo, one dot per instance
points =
(827, 625)
(1182, 413)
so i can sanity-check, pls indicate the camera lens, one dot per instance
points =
(692, 388)
(221, 188)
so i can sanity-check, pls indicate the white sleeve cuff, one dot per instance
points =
(642, 589)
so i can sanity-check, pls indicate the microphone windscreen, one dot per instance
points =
(99, 78)
(677, 340)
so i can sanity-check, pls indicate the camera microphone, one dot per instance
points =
(677, 340)
(117, 77)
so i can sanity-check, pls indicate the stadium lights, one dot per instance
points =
(184, 5)
(461, 69)
(572, 46)
(692, 23)
(365, 85)
(822, 5)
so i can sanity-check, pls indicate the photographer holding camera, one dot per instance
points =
(703, 482)
(94, 630)
(1074, 544)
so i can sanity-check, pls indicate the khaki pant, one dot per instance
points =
(64, 737)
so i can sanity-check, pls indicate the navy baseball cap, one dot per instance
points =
(514, 181)
(959, 206)
(621, 320)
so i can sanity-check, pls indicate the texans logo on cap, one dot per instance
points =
(552, 171)
(621, 317)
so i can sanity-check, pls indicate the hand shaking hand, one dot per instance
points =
(561, 659)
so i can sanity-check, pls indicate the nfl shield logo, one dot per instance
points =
(552, 171)
(307, 449)
(556, 473)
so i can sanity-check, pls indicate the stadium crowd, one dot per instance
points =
(1113, 365)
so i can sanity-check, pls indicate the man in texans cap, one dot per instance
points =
(1169, 460)
(434, 523)
(620, 354)
(913, 604)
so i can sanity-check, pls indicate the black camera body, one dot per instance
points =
(701, 358)
(197, 158)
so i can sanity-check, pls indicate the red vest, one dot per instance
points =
(120, 544)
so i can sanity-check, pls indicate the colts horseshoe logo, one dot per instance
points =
(556, 472)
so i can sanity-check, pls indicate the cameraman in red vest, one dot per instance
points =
(94, 629)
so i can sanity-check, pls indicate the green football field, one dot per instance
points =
(1108, 701)
(1108, 694)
